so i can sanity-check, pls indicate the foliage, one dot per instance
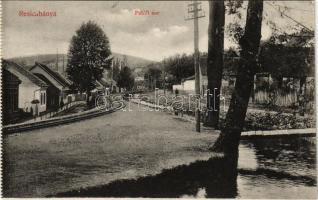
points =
(283, 55)
(234, 30)
(88, 56)
(153, 76)
(287, 55)
(180, 66)
(231, 62)
(232, 6)
(125, 78)
(116, 69)
(273, 121)
(254, 120)
(300, 38)
(277, 121)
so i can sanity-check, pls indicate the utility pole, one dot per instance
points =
(164, 83)
(194, 13)
(112, 75)
(63, 72)
(57, 60)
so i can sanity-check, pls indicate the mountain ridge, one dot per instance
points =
(50, 60)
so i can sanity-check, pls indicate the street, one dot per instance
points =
(121, 145)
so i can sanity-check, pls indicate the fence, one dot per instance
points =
(277, 98)
(48, 115)
(79, 97)
(26, 126)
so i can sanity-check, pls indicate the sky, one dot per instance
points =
(152, 37)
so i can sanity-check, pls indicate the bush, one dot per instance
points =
(276, 121)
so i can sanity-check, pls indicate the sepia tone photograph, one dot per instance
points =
(158, 99)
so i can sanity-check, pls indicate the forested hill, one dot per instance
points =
(50, 60)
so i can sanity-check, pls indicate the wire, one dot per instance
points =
(299, 9)
(282, 13)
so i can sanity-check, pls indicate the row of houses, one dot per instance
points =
(36, 90)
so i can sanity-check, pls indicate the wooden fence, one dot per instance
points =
(277, 98)
(50, 114)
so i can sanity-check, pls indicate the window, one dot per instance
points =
(44, 98)
(41, 98)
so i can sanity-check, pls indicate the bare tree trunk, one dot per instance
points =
(215, 60)
(229, 138)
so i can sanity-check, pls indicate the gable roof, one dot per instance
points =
(43, 78)
(104, 82)
(193, 78)
(6, 64)
(58, 77)
(9, 78)
(188, 78)
(99, 85)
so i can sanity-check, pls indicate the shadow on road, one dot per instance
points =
(215, 178)
(212, 178)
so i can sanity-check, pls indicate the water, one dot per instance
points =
(273, 168)
(277, 168)
(267, 168)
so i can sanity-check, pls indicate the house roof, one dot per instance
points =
(9, 77)
(110, 81)
(104, 82)
(99, 85)
(9, 64)
(43, 78)
(188, 78)
(192, 78)
(58, 77)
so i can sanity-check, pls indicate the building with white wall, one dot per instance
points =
(58, 87)
(31, 89)
(187, 85)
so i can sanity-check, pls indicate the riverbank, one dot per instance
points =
(309, 132)
(291, 175)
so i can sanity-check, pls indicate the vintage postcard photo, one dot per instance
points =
(158, 99)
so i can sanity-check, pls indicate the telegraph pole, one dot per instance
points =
(194, 13)
(63, 70)
(57, 60)
(111, 75)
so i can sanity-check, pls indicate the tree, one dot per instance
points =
(286, 55)
(125, 61)
(116, 70)
(154, 76)
(126, 79)
(230, 62)
(88, 57)
(215, 60)
(180, 66)
(229, 138)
